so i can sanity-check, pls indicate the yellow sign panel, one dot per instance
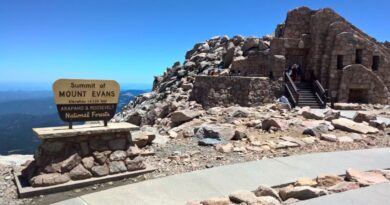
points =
(75, 91)
(86, 100)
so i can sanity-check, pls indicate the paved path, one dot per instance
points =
(219, 181)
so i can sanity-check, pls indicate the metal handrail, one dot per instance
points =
(292, 89)
(320, 92)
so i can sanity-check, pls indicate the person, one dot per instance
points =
(294, 73)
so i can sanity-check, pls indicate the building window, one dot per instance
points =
(375, 62)
(340, 62)
(359, 56)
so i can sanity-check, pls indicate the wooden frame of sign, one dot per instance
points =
(86, 100)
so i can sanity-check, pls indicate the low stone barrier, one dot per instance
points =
(231, 90)
(84, 152)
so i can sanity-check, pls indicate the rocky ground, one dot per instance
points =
(302, 189)
(201, 139)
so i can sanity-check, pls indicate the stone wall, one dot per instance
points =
(231, 90)
(60, 160)
(362, 78)
(252, 66)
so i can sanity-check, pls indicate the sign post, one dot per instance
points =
(86, 100)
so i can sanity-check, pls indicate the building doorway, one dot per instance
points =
(358, 96)
(298, 57)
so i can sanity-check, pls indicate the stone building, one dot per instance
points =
(343, 61)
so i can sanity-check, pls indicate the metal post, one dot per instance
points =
(105, 123)
(70, 125)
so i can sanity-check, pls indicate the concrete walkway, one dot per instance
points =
(219, 181)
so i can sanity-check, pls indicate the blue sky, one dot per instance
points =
(131, 41)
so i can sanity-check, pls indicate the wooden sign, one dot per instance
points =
(86, 100)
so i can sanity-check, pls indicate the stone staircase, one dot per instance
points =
(307, 96)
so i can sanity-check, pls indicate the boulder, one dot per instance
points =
(118, 155)
(305, 182)
(142, 138)
(101, 157)
(265, 200)
(332, 115)
(239, 135)
(351, 126)
(286, 144)
(273, 122)
(88, 162)
(309, 140)
(133, 151)
(49, 179)
(216, 132)
(379, 124)
(311, 114)
(249, 43)
(301, 192)
(210, 141)
(316, 130)
(117, 167)
(135, 164)
(265, 190)
(79, 172)
(216, 201)
(70, 162)
(365, 178)
(184, 116)
(343, 186)
(224, 148)
(328, 180)
(329, 137)
(293, 140)
(242, 197)
(99, 171)
(363, 117)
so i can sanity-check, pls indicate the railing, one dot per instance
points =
(320, 92)
(291, 89)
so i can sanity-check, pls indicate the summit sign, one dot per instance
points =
(86, 100)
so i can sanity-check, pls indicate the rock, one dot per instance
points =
(88, 162)
(351, 126)
(216, 132)
(305, 182)
(133, 151)
(216, 201)
(79, 172)
(356, 137)
(184, 116)
(242, 196)
(265, 200)
(343, 186)
(345, 139)
(99, 171)
(100, 157)
(117, 144)
(347, 106)
(249, 43)
(301, 192)
(224, 148)
(118, 155)
(187, 86)
(210, 141)
(172, 134)
(142, 138)
(265, 190)
(310, 114)
(380, 125)
(365, 178)
(291, 201)
(239, 135)
(293, 140)
(286, 144)
(309, 140)
(135, 164)
(316, 130)
(71, 162)
(237, 112)
(49, 179)
(328, 180)
(363, 117)
(272, 122)
(329, 137)
(332, 115)
(117, 167)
